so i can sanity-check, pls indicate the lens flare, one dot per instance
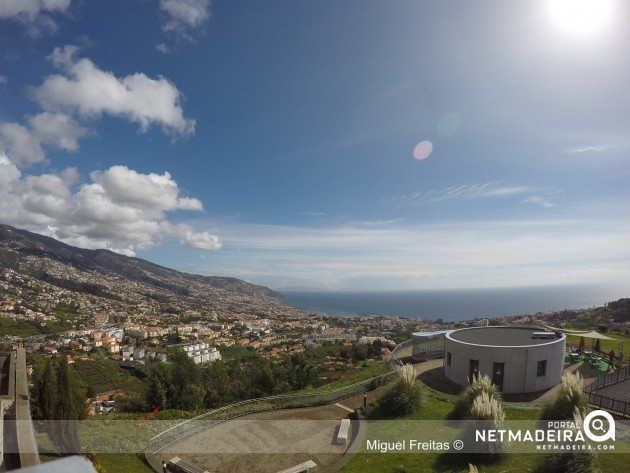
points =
(449, 125)
(422, 150)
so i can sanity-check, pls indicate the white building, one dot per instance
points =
(202, 352)
(517, 359)
(384, 341)
(126, 351)
(334, 337)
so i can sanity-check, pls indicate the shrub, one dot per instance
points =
(479, 385)
(402, 399)
(486, 412)
(569, 398)
(570, 461)
(485, 407)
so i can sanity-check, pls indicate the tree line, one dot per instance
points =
(183, 385)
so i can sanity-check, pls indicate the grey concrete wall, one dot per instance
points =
(520, 375)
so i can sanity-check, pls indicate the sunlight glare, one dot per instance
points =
(580, 16)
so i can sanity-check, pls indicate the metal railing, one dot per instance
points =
(398, 350)
(610, 404)
(608, 379)
(287, 401)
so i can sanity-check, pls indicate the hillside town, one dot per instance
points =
(47, 319)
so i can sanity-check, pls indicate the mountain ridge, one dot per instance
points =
(121, 278)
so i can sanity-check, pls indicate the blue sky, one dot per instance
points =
(278, 142)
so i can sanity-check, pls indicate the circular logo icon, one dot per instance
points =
(594, 426)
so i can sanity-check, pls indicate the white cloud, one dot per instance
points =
(592, 149)
(417, 256)
(90, 92)
(184, 15)
(128, 187)
(20, 144)
(121, 209)
(163, 48)
(29, 9)
(490, 189)
(58, 130)
(24, 145)
(201, 240)
(33, 13)
(538, 200)
(3, 79)
(310, 214)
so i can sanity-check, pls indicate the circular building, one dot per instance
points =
(517, 359)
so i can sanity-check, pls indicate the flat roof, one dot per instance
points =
(501, 336)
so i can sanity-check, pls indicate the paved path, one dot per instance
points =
(344, 407)
(619, 391)
(428, 365)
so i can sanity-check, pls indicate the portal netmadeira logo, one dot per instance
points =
(595, 427)
(595, 432)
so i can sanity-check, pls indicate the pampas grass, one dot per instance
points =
(569, 398)
(403, 398)
(479, 385)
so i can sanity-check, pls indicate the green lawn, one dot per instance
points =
(367, 370)
(122, 462)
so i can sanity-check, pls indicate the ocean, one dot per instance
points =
(455, 304)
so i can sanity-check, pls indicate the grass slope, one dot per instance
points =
(436, 409)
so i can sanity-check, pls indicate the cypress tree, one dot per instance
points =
(46, 391)
(67, 412)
